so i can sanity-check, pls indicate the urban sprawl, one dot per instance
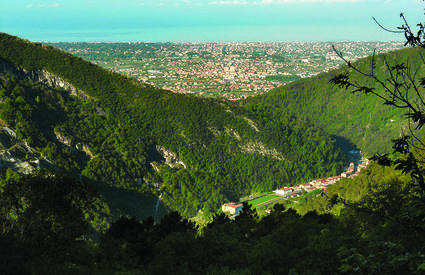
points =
(229, 70)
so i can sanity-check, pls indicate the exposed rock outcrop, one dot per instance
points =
(233, 133)
(251, 123)
(17, 155)
(52, 81)
(164, 156)
(72, 145)
(171, 159)
(262, 149)
(44, 77)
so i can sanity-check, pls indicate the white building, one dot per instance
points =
(284, 191)
(232, 208)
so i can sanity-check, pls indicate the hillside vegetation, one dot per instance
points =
(130, 135)
(358, 118)
(125, 138)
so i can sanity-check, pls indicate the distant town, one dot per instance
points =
(230, 70)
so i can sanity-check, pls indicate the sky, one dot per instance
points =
(206, 20)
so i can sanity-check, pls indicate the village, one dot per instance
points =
(352, 171)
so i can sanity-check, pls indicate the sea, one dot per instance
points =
(181, 34)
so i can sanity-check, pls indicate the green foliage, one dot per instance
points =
(382, 211)
(42, 219)
(278, 243)
(45, 209)
(282, 78)
(363, 120)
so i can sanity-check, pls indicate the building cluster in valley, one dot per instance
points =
(319, 184)
(322, 184)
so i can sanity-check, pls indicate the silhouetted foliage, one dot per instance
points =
(43, 217)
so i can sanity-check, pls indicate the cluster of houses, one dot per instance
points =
(351, 172)
(322, 184)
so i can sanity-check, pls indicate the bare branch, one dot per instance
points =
(385, 29)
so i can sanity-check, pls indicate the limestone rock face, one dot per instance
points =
(51, 80)
(17, 155)
(72, 145)
(44, 77)
(171, 159)
(261, 149)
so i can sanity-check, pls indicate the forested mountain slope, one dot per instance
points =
(129, 135)
(361, 119)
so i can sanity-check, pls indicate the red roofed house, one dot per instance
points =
(234, 209)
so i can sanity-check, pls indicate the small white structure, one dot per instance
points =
(232, 208)
(284, 191)
(345, 174)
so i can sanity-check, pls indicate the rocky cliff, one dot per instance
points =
(17, 155)
(44, 77)
(72, 145)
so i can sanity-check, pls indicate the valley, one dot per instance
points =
(124, 128)
(135, 175)
(212, 137)
(255, 148)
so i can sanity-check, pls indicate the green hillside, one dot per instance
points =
(132, 141)
(131, 136)
(358, 118)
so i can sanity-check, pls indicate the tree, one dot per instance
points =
(400, 205)
(403, 88)
(42, 218)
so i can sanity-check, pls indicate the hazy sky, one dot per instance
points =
(206, 20)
